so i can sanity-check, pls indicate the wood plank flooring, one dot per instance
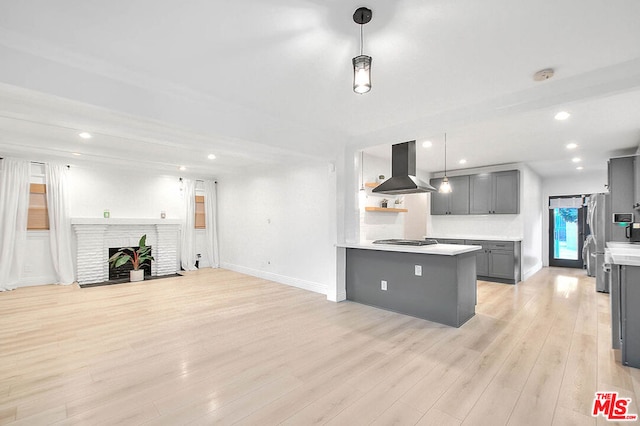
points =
(218, 347)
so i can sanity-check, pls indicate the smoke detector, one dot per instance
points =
(544, 74)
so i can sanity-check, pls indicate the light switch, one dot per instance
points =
(419, 270)
(383, 285)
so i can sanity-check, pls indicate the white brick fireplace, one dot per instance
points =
(96, 236)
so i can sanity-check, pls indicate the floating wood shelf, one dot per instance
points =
(371, 184)
(383, 209)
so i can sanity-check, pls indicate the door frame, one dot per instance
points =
(566, 263)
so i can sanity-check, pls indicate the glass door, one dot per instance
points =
(566, 231)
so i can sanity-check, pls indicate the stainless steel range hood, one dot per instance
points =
(403, 172)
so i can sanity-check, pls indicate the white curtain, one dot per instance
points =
(59, 222)
(14, 210)
(211, 218)
(188, 243)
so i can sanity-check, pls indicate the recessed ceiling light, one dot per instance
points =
(85, 135)
(562, 115)
(463, 161)
(427, 144)
(211, 156)
(182, 168)
(76, 154)
(576, 159)
(579, 168)
(572, 145)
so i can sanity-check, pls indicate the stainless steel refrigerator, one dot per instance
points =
(596, 242)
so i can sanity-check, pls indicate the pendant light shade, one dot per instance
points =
(445, 186)
(361, 74)
(362, 62)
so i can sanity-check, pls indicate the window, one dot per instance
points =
(38, 218)
(200, 223)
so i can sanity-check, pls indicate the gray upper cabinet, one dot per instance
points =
(456, 202)
(506, 193)
(636, 182)
(495, 193)
(485, 193)
(439, 202)
(459, 197)
(622, 192)
(481, 194)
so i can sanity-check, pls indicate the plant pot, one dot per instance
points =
(136, 275)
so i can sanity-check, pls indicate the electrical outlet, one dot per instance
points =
(383, 285)
(418, 270)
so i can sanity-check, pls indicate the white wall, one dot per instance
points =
(280, 224)
(579, 184)
(125, 193)
(532, 213)
(378, 225)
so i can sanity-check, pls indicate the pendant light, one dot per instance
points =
(445, 187)
(362, 63)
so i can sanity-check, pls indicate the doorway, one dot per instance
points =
(566, 231)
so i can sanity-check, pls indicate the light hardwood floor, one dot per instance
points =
(220, 347)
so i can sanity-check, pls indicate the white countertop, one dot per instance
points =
(437, 249)
(467, 237)
(620, 253)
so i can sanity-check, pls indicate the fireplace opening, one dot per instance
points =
(122, 272)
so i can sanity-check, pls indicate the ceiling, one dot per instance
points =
(164, 83)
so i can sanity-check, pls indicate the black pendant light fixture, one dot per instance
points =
(362, 63)
(445, 187)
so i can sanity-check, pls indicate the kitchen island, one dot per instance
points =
(435, 282)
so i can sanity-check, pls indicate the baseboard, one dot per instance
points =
(528, 274)
(282, 279)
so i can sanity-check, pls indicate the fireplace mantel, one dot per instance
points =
(122, 221)
(96, 235)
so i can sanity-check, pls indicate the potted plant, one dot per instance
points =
(136, 256)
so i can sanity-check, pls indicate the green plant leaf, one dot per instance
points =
(122, 260)
(143, 241)
(115, 256)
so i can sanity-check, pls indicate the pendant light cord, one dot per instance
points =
(361, 41)
(445, 154)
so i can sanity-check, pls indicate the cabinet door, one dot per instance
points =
(450, 241)
(636, 182)
(501, 264)
(459, 197)
(480, 200)
(621, 190)
(439, 202)
(482, 262)
(506, 194)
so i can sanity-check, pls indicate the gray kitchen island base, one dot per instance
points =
(444, 293)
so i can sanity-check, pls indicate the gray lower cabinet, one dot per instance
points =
(450, 241)
(629, 315)
(498, 261)
(456, 202)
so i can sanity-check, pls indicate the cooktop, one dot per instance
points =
(406, 242)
